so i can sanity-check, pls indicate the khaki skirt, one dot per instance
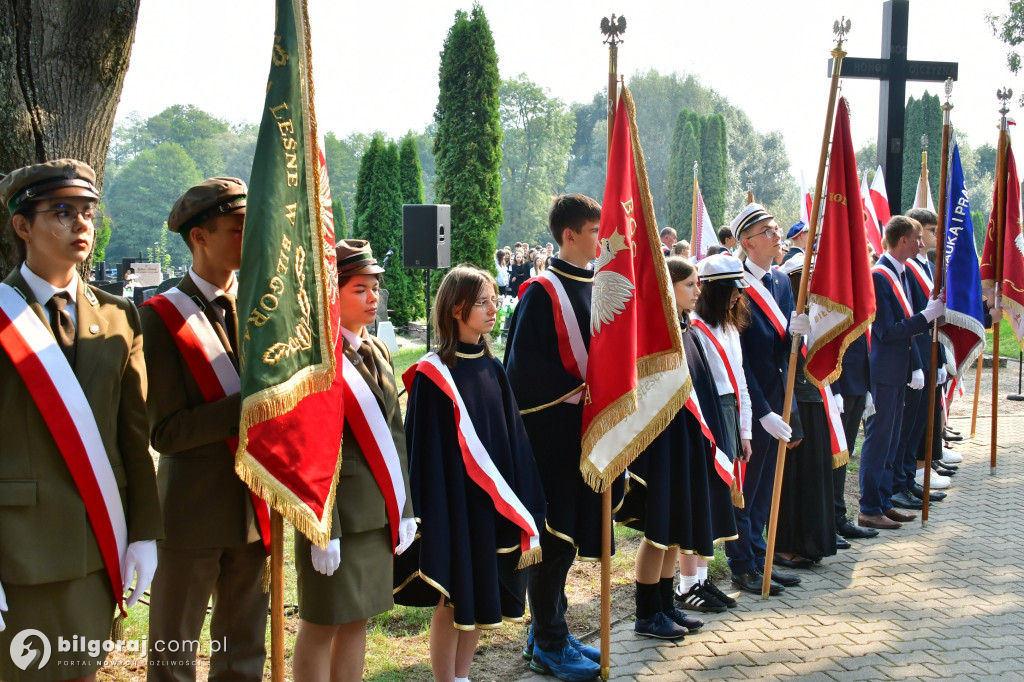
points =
(359, 589)
(82, 608)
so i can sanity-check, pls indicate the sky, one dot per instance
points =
(376, 63)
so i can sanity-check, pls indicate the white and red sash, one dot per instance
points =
(836, 432)
(922, 275)
(571, 347)
(738, 468)
(478, 463)
(210, 365)
(59, 397)
(728, 470)
(370, 427)
(897, 287)
(764, 300)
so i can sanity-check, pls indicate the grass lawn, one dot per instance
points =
(1008, 347)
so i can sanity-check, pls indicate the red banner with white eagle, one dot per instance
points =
(639, 379)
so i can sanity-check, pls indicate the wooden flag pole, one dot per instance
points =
(937, 287)
(612, 29)
(276, 596)
(693, 213)
(977, 394)
(841, 28)
(1003, 96)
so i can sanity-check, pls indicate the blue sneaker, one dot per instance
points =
(587, 651)
(659, 626)
(684, 621)
(567, 664)
(528, 649)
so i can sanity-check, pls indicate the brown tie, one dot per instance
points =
(366, 353)
(227, 302)
(62, 325)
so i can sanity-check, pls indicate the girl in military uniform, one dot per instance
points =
(475, 486)
(342, 586)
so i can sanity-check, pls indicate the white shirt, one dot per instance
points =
(353, 340)
(44, 291)
(898, 266)
(755, 269)
(730, 340)
(211, 292)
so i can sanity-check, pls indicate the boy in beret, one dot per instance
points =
(214, 536)
(79, 515)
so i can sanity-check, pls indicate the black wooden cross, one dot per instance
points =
(894, 70)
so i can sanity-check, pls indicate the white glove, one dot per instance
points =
(941, 376)
(326, 561)
(935, 308)
(139, 563)
(839, 402)
(776, 427)
(917, 380)
(799, 325)
(406, 534)
(869, 405)
(3, 608)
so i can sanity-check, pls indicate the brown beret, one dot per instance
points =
(210, 198)
(356, 258)
(41, 180)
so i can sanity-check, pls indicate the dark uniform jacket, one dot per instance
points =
(204, 500)
(45, 534)
(893, 354)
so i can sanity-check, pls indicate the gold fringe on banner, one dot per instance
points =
(832, 306)
(657, 363)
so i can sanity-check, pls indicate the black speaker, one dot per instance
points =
(426, 236)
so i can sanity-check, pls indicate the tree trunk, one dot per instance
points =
(62, 66)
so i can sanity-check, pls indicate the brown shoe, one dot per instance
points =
(896, 515)
(876, 521)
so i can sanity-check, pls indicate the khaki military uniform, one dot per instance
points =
(362, 585)
(210, 548)
(50, 563)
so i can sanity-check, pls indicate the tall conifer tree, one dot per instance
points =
(467, 147)
(366, 163)
(714, 169)
(411, 171)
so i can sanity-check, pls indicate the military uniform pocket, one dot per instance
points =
(17, 493)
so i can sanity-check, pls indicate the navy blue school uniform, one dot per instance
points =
(542, 385)
(466, 550)
(893, 358)
(765, 364)
(674, 495)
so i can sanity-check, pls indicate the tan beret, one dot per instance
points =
(41, 180)
(210, 198)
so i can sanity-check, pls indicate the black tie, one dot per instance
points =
(62, 325)
(906, 285)
(366, 353)
(227, 302)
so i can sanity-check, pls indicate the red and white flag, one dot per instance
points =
(880, 199)
(806, 199)
(704, 235)
(871, 226)
(634, 332)
(1011, 284)
(841, 295)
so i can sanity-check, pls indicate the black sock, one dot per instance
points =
(667, 593)
(648, 600)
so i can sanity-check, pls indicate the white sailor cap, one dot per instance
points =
(752, 214)
(722, 267)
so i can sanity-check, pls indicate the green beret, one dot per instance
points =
(210, 198)
(42, 180)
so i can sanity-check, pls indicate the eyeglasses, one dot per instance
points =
(68, 216)
(774, 231)
(483, 302)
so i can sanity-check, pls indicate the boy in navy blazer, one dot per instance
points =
(895, 364)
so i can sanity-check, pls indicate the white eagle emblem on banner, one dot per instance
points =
(612, 290)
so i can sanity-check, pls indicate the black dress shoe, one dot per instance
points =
(904, 500)
(784, 579)
(841, 542)
(852, 532)
(948, 436)
(943, 471)
(793, 563)
(751, 582)
(918, 492)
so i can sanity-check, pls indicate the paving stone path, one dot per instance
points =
(945, 601)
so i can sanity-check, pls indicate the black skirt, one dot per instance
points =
(806, 506)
